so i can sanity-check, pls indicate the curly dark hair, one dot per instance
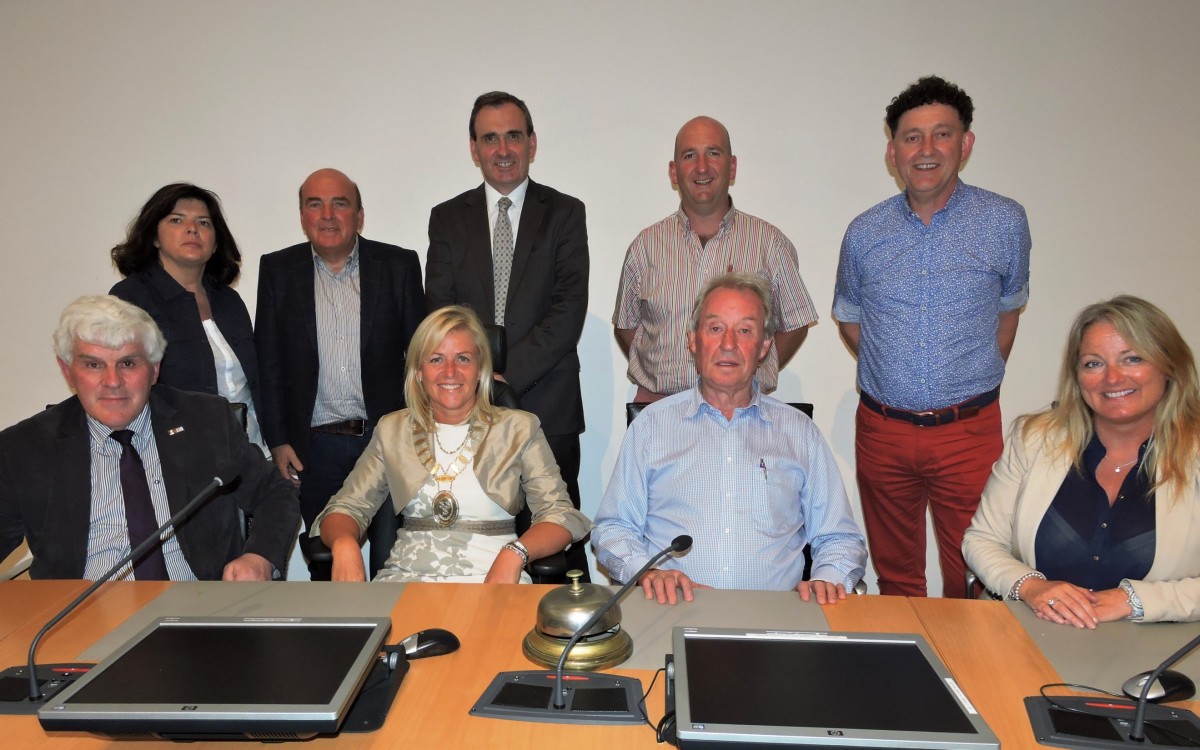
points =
(499, 99)
(138, 251)
(930, 90)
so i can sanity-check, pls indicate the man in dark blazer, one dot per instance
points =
(544, 303)
(334, 318)
(60, 487)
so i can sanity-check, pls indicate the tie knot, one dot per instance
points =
(504, 203)
(124, 437)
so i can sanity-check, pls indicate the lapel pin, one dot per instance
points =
(174, 431)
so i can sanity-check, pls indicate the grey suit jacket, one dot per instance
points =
(45, 486)
(285, 332)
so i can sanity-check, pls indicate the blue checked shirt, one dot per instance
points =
(751, 491)
(929, 298)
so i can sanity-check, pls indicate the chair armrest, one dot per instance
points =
(551, 566)
(314, 550)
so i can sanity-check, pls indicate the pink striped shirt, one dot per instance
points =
(665, 268)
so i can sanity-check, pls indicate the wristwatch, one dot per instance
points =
(1135, 602)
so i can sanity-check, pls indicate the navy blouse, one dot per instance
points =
(1084, 541)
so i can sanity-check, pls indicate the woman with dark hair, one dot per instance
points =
(178, 259)
(1092, 513)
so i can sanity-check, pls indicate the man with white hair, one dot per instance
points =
(88, 479)
(750, 478)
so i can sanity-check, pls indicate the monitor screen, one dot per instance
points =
(863, 690)
(215, 677)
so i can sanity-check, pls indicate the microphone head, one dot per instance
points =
(681, 543)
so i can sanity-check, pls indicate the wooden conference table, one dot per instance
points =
(982, 643)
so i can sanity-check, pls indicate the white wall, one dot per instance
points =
(1087, 113)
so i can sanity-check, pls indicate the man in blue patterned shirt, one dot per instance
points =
(929, 287)
(748, 477)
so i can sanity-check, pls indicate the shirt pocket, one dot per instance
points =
(773, 502)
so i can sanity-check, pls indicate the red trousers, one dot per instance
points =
(902, 469)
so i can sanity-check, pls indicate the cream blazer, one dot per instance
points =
(999, 545)
(513, 456)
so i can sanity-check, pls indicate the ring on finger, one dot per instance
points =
(1051, 603)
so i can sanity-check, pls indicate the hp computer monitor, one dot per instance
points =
(212, 678)
(760, 688)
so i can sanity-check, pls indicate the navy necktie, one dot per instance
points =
(139, 510)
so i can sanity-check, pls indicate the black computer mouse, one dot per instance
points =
(1170, 686)
(431, 642)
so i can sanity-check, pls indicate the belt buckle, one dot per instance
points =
(920, 417)
(936, 417)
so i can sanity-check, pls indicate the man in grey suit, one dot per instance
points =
(88, 479)
(516, 252)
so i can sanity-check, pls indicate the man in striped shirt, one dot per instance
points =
(669, 262)
(334, 318)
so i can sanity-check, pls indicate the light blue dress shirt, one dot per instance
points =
(751, 492)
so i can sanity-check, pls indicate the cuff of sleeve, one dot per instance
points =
(846, 312)
(1016, 300)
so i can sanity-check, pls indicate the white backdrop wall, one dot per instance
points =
(1087, 113)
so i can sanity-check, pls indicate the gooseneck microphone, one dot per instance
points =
(1138, 732)
(35, 693)
(681, 543)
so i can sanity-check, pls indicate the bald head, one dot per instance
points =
(331, 213)
(702, 170)
(705, 125)
(330, 174)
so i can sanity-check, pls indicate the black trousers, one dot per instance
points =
(566, 453)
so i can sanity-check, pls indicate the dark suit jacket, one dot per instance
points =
(548, 292)
(188, 363)
(46, 486)
(285, 331)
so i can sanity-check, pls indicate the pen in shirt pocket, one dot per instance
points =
(762, 464)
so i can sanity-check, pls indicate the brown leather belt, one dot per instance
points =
(352, 427)
(937, 417)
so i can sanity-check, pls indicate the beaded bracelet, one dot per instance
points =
(1014, 593)
(520, 550)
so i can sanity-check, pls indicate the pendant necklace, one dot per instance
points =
(445, 504)
(1117, 469)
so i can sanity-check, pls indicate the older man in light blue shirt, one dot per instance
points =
(748, 477)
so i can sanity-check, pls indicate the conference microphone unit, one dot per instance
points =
(15, 701)
(1098, 723)
(542, 695)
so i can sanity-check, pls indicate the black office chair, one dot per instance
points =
(387, 523)
(634, 408)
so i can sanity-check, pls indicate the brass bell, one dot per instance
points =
(563, 611)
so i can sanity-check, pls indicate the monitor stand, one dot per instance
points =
(370, 709)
